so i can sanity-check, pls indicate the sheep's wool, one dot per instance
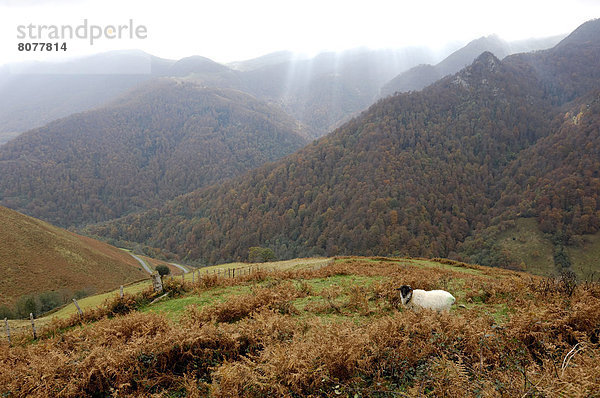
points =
(438, 300)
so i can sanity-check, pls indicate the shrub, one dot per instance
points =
(49, 301)
(163, 270)
(260, 255)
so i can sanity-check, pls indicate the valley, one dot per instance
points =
(370, 221)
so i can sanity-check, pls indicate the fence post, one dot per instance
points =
(234, 272)
(33, 325)
(121, 291)
(193, 277)
(7, 330)
(157, 282)
(78, 308)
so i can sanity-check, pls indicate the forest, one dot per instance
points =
(162, 140)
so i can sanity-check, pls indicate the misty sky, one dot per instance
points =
(229, 30)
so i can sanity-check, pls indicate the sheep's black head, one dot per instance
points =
(405, 293)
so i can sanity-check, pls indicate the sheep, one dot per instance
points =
(439, 300)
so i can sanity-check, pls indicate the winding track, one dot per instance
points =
(142, 262)
(181, 267)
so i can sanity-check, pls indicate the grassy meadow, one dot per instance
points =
(321, 328)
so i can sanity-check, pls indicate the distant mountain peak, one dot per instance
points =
(488, 61)
(484, 66)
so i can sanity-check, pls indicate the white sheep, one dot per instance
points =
(439, 300)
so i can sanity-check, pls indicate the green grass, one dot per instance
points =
(174, 308)
(344, 281)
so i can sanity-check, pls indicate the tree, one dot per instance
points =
(260, 254)
(162, 270)
(26, 305)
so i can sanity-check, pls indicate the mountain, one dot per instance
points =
(37, 257)
(417, 173)
(33, 94)
(158, 141)
(421, 76)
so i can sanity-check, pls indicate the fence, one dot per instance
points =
(21, 326)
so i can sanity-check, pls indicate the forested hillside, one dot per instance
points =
(417, 173)
(159, 141)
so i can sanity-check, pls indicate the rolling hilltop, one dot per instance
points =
(417, 173)
(334, 329)
(37, 257)
(159, 141)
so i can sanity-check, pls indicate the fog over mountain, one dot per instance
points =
(320, 92)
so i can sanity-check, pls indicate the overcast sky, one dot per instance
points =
(228, 30)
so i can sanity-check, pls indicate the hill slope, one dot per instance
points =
(159, 141)
(38, 257)
(415, 174)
